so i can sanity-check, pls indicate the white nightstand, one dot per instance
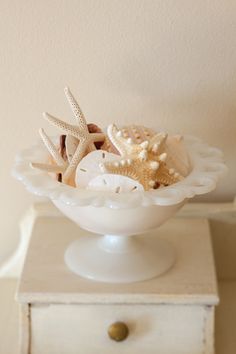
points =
(65, 314)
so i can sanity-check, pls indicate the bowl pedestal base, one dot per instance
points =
(119, 259)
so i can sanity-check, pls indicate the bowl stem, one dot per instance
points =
(119, 259)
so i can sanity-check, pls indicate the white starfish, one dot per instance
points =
(60, 165)
(47, 167)
(79, 131)
(52, 149)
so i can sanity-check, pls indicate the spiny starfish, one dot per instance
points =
(79, 131)
(156, 148)
(157, 143)
(142, 162)
(142, 171)
(151, 174)
(126, 147)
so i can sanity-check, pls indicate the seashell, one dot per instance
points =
(127, 147)
(114, 183)
(137, 133)
(90, 166)
(109, 147)
(177, 156)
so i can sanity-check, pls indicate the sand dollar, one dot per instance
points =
(89, 166)
(114, 183)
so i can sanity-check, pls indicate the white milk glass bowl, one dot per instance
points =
(121, 244)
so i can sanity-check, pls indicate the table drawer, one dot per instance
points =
(164, 329)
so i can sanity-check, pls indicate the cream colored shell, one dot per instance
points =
(177, 156)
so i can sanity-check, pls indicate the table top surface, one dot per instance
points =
(46, 278)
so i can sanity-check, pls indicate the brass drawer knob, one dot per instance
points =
(118, 331)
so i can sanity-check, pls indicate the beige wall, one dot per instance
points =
(168, 64)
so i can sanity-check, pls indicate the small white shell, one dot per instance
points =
(114, 183)
(89, 166)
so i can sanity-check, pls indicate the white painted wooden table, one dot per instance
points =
(66, 314)
(222, 217)
(225, 318)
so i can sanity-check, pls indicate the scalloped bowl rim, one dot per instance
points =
(207, 167)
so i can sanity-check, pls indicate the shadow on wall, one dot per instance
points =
(223, 230)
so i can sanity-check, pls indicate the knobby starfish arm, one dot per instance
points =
(79, 116)
(51, 148)
(166, 176)
(66, 128)
(112, 133)
(134, 169)
(157, 142)
(120, 167)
